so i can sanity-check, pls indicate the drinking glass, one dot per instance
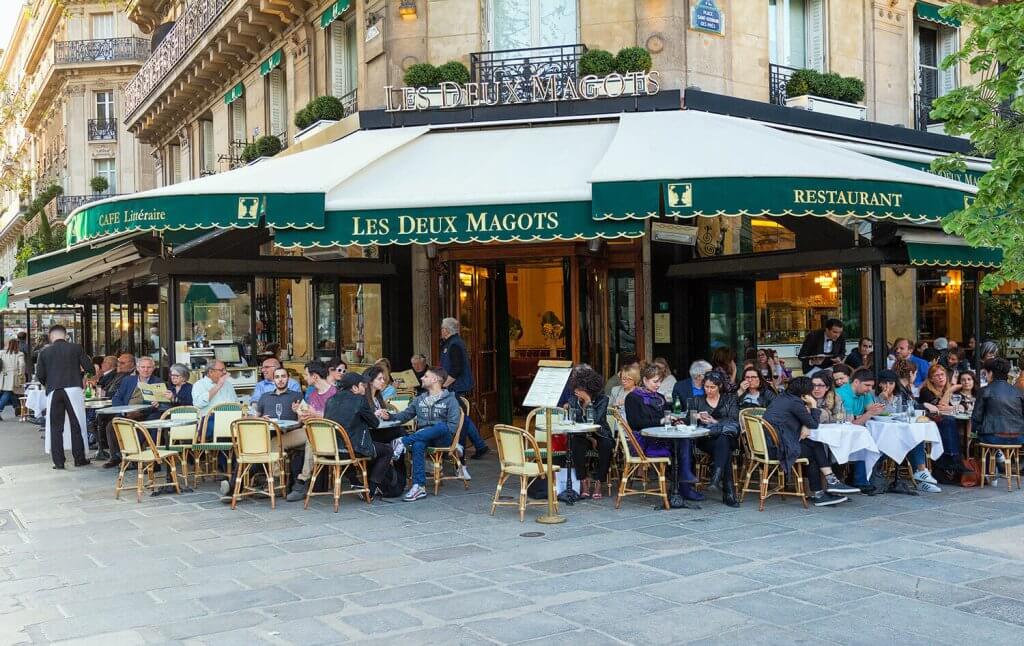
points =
(278, 410)
(955, 400)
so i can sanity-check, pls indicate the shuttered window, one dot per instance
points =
(209, 161)
(175, 164)
(796, 33)
(185, 146)
(933, 45)
(343, 57)
(276, 103)
(237, 109)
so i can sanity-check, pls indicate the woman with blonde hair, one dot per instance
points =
(12, 377)
(936, 392)
(629, 377)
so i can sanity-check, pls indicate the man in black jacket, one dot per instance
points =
(351, 409)
(999, 412)
(60, 368)
(823, 348)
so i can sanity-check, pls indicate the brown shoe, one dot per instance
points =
(110, 464)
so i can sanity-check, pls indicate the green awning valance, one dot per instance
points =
(271, 63)
(192, 212)
(335, 10)
(775, 196)
(928, 11)
(234, 93)
(5, 297)
(446, 225)
(947, 255)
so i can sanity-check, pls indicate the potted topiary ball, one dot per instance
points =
(830, 93)
(317, 115)
(99, 185)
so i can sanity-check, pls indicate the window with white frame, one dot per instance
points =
(342, 44)
(105, 105)
(277, 116)
(237, 110)
(107, 169)
(934, 43)
(207, 143)
(101, 25)
(517, 24)
(174, 167)
(796, 33)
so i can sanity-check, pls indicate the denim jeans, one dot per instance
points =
(470, 432)
(915, 455)
(7, 398)
(435, 435)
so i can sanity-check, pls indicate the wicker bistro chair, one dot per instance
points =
(513, 444)
(989, 467)
(181, 439)
(540, 435)
(437, 454)
(323, 437)
(145, 455)
(220, 443)
(254, 447)
(755, 429)
(635, 461)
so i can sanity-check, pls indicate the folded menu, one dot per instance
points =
(154, 393)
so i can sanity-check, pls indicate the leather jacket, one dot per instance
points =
(999, 411)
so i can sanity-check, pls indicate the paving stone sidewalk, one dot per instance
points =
(80, 567)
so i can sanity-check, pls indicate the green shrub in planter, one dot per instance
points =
(633, 59)
(800, 83)
(326, 108)
(422, 75)
(303, 119)
(99, 184)
(827, 86)
(249, 153)
(453, 72)
(853, 89)
(597, 62)
(267, 146)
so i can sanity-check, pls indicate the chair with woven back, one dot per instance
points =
(634, 461)
(215, 440)
(182, 438)
(743, 458)
(145, 455)
(541, 434)
(513, 444)
(756, 430)
(989, 465)
(323, 437)
(254, 446)
(453, 451)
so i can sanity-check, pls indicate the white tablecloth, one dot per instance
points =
(848, 443)
(896, 439)
(35, 399)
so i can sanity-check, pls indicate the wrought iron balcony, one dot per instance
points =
(349, 104)
(922, 111)
(102, 129)
(519, 66)
(778, 76)
(68, 203)
(189, 28)
(101, 50)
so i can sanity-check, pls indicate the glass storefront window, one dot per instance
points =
(794, 304)
(146, 331)
(362, 339)
(622, 307)
(727, 236)
(118, 341)
(14, 323)
(326, 320)
(944, 299)
(216, 311)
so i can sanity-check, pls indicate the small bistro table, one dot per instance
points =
(848, 443)
(675, 434)
(559, 427)
(896, 439)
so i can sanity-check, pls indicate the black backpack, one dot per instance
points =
(394, 480)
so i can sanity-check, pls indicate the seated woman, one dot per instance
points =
(968, 391)
(936, 392)
(793, 413)
(588, 402)
(841, 375)
(753, 391)
(181, 389)
(890, 392)
(693, 387)
(718, 412)
(999, 413)
(644, 408)
(769, 368)
(629, 377)
(723, 360)
(668, 380)
(829, 403)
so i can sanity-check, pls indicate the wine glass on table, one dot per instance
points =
(278, 409)
(955, 399)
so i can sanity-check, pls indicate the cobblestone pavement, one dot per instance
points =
(77, 565)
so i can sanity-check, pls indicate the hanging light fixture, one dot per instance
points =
(407, 9)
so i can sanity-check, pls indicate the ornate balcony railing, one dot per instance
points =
(349, 103)
(68, 203)
(922, 111)
(101, 49)
(102, 129)
(520, 65)
(778, 76)
(188, 29)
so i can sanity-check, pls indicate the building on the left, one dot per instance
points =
(63, 75)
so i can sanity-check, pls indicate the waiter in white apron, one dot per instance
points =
(60, 368)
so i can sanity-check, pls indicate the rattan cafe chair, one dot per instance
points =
(323, 437)
(513, 444)
(220, 442)
(145, 456)
(254, 447)
(755, 429)
(182, 438)
(635, 462)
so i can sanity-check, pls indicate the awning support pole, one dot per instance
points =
(878, 320)
(977, 321)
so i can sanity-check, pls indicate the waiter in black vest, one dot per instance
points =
(60, 368)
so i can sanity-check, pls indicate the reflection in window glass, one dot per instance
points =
(326, 320)
(216, 311)
(361, 324)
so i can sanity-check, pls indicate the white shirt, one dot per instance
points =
(201, 395)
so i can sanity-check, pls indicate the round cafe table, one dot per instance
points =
(848, 443)
(124, 410)
(97, 403)
(35, 400)
(896, 439)
(675, 434)
(568, 495)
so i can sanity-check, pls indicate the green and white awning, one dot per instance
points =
(947, 255)
(684, 164)
(234, 94)
(332, 12)
(930, 13)
(271, 63)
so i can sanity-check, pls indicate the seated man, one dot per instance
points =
(352, 410)
(279, 402)
(268, 368)
(128, 393)
(999, 412)
(213, 388)
(437, 417)
(860, 406)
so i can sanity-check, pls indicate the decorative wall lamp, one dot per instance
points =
(407, 9)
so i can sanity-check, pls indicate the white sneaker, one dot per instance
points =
(460, 449)
(928, 487)
(464, 473)
(1000, 458)
(399, 450)
(415, 493)
(925, 476)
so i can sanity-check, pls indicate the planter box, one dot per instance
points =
(312, 129)
(828, 106)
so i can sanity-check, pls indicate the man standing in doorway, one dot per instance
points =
(455, 361)
(60, 368)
